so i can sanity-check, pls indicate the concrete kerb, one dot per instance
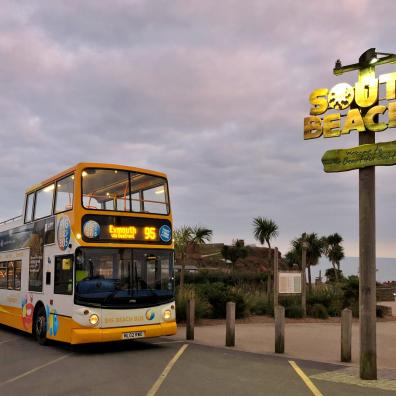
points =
(312, 340)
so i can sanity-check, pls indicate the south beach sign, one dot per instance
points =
(354, 109)
(361, 100)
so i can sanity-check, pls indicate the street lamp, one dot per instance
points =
(368, 58)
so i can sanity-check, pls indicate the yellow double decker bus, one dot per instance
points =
(91, 258)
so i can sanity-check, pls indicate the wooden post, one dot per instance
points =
(276, 278)
(190, 319)
(346, 335)
(230, 324)
(303, 279)
(367, 255)
(279, 329)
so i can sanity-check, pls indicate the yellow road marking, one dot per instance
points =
(306, 380)
(164, 374)
(33, 370)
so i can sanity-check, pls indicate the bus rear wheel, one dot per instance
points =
(40, 326)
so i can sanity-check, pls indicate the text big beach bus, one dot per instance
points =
(91, 258)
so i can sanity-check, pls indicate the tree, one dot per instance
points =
(333, 275)
(315, 250)
(200, 236)
(334, 252)
(291, 258)
(187, 238)
(182, 238)
(265, 230)
(234, 252)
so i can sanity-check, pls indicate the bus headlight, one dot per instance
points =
(167, 314)
(93, 319)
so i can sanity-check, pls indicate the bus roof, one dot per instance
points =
(82, 165)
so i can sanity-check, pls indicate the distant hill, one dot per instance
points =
(209, 256)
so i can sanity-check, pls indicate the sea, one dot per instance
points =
(386, 268)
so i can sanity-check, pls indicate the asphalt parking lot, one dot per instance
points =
(151, 367)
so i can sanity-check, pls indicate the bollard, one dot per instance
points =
(190, 319)
(230, 324)
(279, 329)
(346, 335)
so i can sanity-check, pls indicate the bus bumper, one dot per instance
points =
(84, 336)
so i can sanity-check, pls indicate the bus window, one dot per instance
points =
(155, 200)
(64, 194)
(3, 275)
(17, 272)
(10, 275)
(136, 202)
(106, 189)
(63, 283)
(44, 198)
(29, 208)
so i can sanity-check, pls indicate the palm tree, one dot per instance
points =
(334, 251)
(186, 239)
(201, 235)
(265, 230)
(315, 250)
(182, 238)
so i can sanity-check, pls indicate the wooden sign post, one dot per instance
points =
(359, 108)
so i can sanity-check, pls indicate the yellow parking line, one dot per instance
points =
(164, 374)
(306, 380)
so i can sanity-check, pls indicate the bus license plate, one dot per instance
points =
(132, 334)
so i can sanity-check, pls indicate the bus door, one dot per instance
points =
(63, 284)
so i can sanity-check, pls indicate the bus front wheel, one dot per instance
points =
(40, 326)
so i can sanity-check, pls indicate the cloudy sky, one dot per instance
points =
(211, 92)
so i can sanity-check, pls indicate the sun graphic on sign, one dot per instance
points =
(341, 96)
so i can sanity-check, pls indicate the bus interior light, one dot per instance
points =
(49, 188)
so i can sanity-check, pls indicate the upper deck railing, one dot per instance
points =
(10, 220)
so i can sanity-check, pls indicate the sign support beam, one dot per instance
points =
(367, 257)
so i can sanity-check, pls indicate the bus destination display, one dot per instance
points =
(126, 230)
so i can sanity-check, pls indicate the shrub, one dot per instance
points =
(350, 288)
(323, 296)
(218, 294)
(293, 311)
(202, 307)
(258, 303)
(335, 306)
(319, 311)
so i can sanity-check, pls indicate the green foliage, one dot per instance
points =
(350, 288)
(294, 311)
(315, 248)
(202, 307)
(319, 311)
(265, 230)
(333, 275)
(253, 279)
(258, 303)
(322, 296)
(292, 304)
(234, 252)
(218, 294)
